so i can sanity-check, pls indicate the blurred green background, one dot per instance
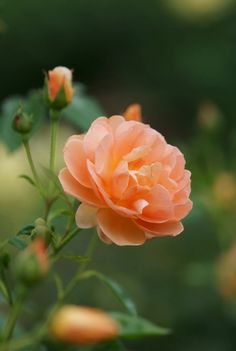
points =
(177, 58)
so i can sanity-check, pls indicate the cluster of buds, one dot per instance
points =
(32, 264)
(77, 325)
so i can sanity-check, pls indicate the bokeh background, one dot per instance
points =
(177, 58)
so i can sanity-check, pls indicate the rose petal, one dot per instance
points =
(181, 196)
(120, 179)
(185, 180)
(178, 169)
(75, 159)
(126, 137)
(140, 204)
(160, 208)
(99, 186)
(161, 229)
(182, 210)
(72, 187)
(137, 153)
(86, 216)
(103, 237)
(120, 230)
(98, 130)
(157, 151)
(104, 157)
(115, 121)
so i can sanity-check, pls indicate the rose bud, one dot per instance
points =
(82, 325)
(32, 264)
(133, 113)
(22, 122)
(58, 88)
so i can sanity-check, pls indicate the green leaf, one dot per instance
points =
(135, 327)
(32, 104)
(18, 243)
(117, 290)
(28, 179)
(83, 110)
(7, 135)
(26, 230)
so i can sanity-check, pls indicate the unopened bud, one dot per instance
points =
(82, 325)
(133, 113)
(22, 123)
(32, 264)
(58, 88)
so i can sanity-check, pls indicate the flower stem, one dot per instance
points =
(7, 289)
(31, 162)
(54, 127)
(14, 313)
(68, 238)
(88, 253)
(74, 281)
(72, 284)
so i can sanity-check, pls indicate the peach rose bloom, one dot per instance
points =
(132, 184)
(57, 78)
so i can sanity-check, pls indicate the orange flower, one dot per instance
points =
(59, 86)
(132, 184)
(82, 325)
(133, 113)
